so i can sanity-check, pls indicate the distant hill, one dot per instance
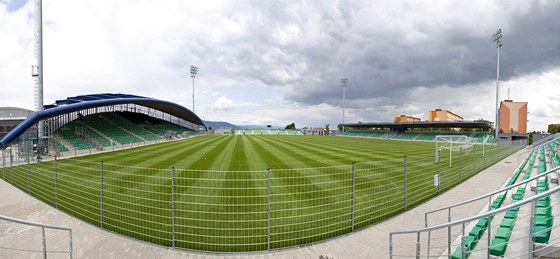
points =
(220, 124)
(223, 124)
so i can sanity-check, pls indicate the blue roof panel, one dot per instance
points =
(77, 103)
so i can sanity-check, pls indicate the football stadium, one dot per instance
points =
(147, 169)
(117, 175)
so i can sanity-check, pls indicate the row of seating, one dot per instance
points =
(129, 126)
(150, 126)
(554, 156)
(58, 146)
(104, 125)
(69, 135)
(543, 219)
(543, 211)
(107, 129)
(477, 232)
(417, 136)
(502, 237)
(268, 132)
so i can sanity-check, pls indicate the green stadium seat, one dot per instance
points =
(512, 213)
(482, 223)
(543, 220)
(508, 223)
(498, 247)
(541, 234)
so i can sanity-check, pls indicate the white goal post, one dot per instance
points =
(453, 143)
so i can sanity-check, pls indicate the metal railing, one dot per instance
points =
(489, 195)
(412, 241)
(242, 211)
(439, 236)
(545, 140)
(44, 251)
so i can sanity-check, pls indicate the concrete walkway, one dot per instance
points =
(92, 242)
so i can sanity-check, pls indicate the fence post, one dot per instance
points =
(449, 230)
(44, 242)
(484, 153)
(11, 167)
(173, 206)
(55, 183)
(418, 245)
(3, 166)
(353, 188)
(405, 183)
(531, 229)
(101, 195)
(462, 242)
(268, 217)
(438, 170)
(390, 246)
(70, 243)
(474, 163)
(28, 174)
(460, 164)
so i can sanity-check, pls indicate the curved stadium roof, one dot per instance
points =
(77, 103)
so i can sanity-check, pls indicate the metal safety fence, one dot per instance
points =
(29, 239)
(525, 227)
(243, 211)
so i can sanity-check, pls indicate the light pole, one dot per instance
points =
(194, 72)
(343, 81)
(497, 38)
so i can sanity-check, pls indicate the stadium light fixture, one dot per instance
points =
(194, 72)
(497, 38)
(37, 69)
(343, 81)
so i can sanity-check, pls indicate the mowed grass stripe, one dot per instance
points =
(223, 207)
(357, 149)
(292, 154)
(168, 156)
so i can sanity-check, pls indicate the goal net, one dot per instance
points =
(453, 143)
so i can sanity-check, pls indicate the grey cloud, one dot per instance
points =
(390, 67)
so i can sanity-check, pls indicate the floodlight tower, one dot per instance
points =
(343, 81)
(194, 72)
(37, 69)
(497, 38)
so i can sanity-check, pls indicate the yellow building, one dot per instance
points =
(513, 117)
(405, 118)
(443, 115)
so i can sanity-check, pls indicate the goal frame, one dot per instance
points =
(452, 143)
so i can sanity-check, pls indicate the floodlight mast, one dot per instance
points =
(343, 81)
(194, 72)
(37, 69)
(497, 38)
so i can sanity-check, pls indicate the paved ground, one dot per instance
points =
(92, 242)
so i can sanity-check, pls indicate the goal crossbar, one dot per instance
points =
(453, 143)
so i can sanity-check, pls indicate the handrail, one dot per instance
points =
(484, 215)
(43, 226)
(490, 193)
(33, 223)
(545, 140)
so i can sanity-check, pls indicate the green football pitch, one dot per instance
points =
(258, 152)
(239, 193)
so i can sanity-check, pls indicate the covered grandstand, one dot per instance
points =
(421, 131)
(100, 122)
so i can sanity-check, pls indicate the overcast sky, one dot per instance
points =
(277, 62)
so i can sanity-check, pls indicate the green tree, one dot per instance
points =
(554, 128)
(291, 126)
